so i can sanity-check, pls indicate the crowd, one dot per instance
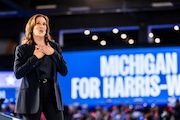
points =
(138, 111)
(124, 112)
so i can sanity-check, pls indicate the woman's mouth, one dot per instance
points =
(41, 31)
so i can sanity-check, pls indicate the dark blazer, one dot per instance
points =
(26, 67)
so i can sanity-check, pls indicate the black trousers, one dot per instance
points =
(47, 105)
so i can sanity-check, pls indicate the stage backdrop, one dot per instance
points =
(121, 75)
(116, 75)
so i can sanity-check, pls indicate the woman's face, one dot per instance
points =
(40, 27)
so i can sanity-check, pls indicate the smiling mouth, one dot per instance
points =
(41, 31)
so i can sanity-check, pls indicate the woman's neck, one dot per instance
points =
(39, 40)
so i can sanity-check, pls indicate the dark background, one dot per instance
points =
(84, 14)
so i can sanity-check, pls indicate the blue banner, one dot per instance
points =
(148, 75)
(128, 75)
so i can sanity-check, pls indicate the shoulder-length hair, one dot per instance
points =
(28, 39)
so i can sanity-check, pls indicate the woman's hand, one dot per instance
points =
(45, 49)
(38, 53)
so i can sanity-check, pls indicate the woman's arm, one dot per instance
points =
(59, 60)
(23, 64)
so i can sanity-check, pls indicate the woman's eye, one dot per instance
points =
(38, 23)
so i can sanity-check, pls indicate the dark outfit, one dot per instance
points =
(39, 90)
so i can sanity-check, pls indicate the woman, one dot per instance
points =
(38, 61)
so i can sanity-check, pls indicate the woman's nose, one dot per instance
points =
(41, 25)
